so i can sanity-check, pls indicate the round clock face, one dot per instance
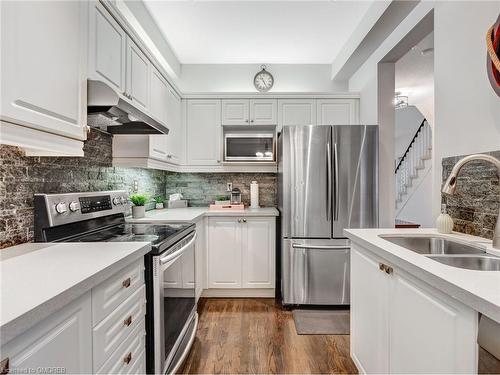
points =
(263, 81)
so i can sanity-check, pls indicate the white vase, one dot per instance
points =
(444, 222)
(138, 212)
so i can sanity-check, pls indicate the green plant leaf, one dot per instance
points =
(139, 199)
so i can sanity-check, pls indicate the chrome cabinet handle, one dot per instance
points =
(246, 120)
(251, 120)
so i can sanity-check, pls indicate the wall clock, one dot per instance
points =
(493, 56)
(263, 80)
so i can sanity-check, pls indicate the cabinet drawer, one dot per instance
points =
(129, 357)
(108, 295)
(111, 332)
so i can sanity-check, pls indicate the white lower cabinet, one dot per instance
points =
(64, 341)
(400, 324)
(101, 332)
(200, 257)
(241, 252)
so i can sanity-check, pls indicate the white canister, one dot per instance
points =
(444, 222)
(254, 195)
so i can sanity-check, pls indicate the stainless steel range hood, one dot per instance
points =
(107, 110)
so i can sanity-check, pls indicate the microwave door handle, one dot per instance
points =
(328, 182)
(179, 252)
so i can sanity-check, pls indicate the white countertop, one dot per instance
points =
(479, 290)
(193, 214)
(38, 279)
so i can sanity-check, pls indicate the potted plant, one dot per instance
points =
(159, 202)
(138, 209)
(222, 200)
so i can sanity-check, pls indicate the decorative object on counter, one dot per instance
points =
(183, 203)
(493, 55)
(450, 185)
(254, 195)
(159, 202)
(236, 196)
(175, 197)
(444, 222)
(138, 209)
(222, 200)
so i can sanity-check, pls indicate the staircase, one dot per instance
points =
(413, 162)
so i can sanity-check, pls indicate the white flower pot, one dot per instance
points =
(159, 206)
(138, 212)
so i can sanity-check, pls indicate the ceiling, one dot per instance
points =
(259, 31)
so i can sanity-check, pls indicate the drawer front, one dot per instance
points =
(107, 296)
(113, 330)
(130, 355)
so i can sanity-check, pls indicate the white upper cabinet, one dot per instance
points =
(203, 131)
(159, 96)
(175, 137)
(296, 112)
(43, 66)
(108, 48)
(337, 111)
(138, 67)
(263, 112)
(235, 112)
(249, 112)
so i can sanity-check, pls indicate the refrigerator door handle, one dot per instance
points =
(326, 247)
(336, 166)
(329, 181)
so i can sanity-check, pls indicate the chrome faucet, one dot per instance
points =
(451, 184)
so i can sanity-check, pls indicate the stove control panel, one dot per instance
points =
(95, 204)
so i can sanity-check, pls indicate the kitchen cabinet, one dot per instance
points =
(138, 67)
(249, 112)
(396, 320)
(175, 137)
(337, 112)
(296, 112)
(43, 70)
(203, 130)
(200, 257)
(241, 252)
(108, 48)
(64, 340)
(159, 96)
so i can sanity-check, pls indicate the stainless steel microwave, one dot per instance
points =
(254, 145)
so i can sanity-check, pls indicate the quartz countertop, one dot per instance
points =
(193, 214)
(479, 290)
(37, 279)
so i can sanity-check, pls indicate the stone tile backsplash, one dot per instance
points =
(474, 206)
(202, 188)
(21, 177)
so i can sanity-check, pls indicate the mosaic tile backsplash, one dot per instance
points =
(202, 188)
(474, 206)
(21, 177)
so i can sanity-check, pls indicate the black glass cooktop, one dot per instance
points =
(159, 235)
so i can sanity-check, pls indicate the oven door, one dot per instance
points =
(174, 302)
(241, 147)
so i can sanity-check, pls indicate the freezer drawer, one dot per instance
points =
(315, 272)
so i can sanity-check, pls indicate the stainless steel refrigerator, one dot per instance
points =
(327, 181)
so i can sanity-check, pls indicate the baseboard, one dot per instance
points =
(238, 293)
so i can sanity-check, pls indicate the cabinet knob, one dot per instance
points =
(127, 358)
(126, 283)
(246, 120)
(251, 120)
(244, 220)
(385, 268)
(4, 366)
(127, 322)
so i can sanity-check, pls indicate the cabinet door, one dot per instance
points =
(258, 252)
(108, 44)
(158, 105)
(369, 313)
(224, 252)
(43, 65)
(263, 112)
(174, 123)
(235, 112)
(200, 256)
(429, 331)
(138, 67)
(203, 132)
(296, 112)
(337, 111)
(63, 340)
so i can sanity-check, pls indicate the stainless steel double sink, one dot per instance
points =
(451, 253)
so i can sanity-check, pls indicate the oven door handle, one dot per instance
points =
(179, 252)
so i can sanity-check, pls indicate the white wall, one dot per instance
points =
(467, 113)
(219, 78)
(418, 208)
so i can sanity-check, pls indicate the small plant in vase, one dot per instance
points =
(159, 202)
(138, 209)
(222, 200)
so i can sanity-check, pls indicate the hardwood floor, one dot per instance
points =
(255, 335)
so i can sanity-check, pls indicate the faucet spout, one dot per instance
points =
(450, 185)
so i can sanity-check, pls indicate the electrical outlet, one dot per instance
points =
(136, 186)
(229, 186)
